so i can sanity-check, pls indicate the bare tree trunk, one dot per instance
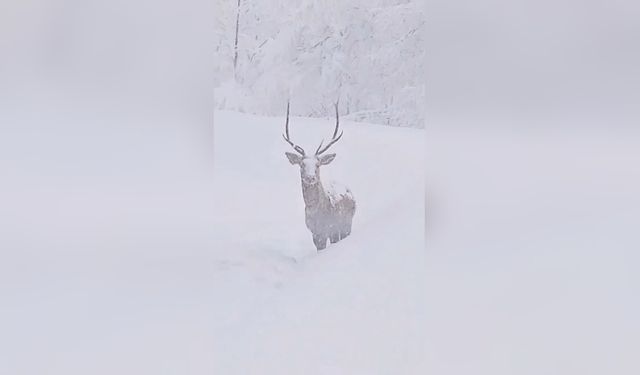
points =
(235, 49)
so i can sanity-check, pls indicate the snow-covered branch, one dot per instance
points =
(368, 53)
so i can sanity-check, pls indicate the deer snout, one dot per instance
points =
(309, 180)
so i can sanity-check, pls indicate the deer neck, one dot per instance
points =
(314, 195)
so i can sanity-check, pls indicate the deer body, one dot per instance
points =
(328, 211)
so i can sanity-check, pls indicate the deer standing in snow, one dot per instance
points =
(328, 210)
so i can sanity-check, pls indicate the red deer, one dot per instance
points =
(329, 209)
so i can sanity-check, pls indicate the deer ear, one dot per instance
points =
(326, 159)
(293, 158)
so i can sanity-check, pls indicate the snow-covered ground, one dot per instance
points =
(128, 260)
(529, 265)
(356, 308)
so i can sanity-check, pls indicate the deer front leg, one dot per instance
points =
(320, 241)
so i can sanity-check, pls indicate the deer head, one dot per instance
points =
(310, 164)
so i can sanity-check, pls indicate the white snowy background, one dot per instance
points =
(137, 239)
(360, 306)
(124, 250)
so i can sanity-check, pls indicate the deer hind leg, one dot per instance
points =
(335, 237)
(346, 230)
(320, 241)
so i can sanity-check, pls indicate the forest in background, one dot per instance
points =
(368, 54)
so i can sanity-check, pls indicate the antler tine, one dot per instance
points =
(335, 132)
(286, 126)
(319, 147)
(321, 150)
(299, 149)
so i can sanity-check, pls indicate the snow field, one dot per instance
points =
(355, 308)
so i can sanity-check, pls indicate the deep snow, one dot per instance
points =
(356, 307)
(529, 268)
(130, 260)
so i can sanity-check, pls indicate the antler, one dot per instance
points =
(320, 149)
(299, 149)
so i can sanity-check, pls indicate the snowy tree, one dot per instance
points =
(367, 54)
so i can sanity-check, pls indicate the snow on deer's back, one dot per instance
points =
(337, 192)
